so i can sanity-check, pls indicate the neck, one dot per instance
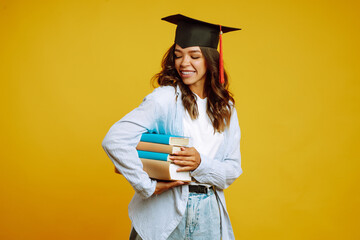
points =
(198, 89)
(198, 92)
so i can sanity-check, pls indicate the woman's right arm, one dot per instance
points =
(121, 141)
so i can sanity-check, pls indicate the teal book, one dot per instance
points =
(165, 139)
(154, 155)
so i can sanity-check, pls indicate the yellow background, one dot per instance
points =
(69, 69)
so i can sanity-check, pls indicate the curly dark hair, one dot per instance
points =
(219, 97)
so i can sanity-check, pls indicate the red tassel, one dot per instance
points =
(221, 61)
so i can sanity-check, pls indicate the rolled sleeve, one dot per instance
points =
(121, 141)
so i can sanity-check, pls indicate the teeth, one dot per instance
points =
(186, 73)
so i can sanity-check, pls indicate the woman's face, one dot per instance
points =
(191, 66)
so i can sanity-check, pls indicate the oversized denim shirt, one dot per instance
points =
(154, 217)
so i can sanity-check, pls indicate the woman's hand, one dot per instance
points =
(188, 158)
(164, 186)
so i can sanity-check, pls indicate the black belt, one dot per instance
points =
(198, 189)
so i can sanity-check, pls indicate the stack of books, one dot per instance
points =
(154, 151)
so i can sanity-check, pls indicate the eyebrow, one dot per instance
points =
(192, 51)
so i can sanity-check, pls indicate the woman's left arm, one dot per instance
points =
(220, 173)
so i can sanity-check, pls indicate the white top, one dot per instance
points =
(201, 131)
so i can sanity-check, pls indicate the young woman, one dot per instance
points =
(190, 101)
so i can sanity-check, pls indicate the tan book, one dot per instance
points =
(157, 147)
(163, 170)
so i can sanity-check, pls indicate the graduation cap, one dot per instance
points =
(192, 32)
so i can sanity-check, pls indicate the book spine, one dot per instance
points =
(153, 155)
(155, 138)
(156, 147)
(165, 139)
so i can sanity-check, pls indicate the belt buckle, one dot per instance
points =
(203, 189)
(198, 189)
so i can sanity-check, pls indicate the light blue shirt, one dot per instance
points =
(154, 217)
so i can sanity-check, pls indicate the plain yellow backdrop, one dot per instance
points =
(69, 69)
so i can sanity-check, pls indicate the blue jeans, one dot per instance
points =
(201, 220)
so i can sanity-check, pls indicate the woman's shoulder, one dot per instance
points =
(162, 93)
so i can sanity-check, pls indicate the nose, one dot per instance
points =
(185, 61)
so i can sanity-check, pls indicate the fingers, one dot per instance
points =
(186, 165)
(187, 168)
(175, 184)
(188, 158)
(167, 185)
(185, 162)
(184, 158)
(185, 152)
(164, 186)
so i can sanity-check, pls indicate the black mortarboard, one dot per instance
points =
(191, 32)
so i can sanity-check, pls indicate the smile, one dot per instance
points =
(187, 72)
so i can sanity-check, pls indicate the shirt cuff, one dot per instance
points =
(146, 192)
(202, 169)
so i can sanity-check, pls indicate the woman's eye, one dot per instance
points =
(177, 56)
(195, 57)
